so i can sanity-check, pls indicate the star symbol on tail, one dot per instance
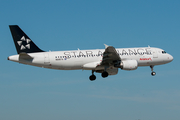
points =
(24, 43)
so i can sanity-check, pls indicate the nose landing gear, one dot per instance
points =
(152, 73)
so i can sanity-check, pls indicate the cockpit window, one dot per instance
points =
(163, 52)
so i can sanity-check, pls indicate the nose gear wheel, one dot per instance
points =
(152, 73)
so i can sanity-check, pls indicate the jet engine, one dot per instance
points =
(127, 64)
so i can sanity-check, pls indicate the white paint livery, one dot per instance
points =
(105, 61)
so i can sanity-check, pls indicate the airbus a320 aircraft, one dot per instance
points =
(105, 61)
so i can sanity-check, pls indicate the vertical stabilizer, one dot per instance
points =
(22, 42)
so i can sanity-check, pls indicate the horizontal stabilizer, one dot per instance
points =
(25, 56)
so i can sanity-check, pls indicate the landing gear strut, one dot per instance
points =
(152, 73)
(92, 77)
(105, 74)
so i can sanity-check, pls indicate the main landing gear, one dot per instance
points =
(104, 74)
(93, 77)
(152, 73)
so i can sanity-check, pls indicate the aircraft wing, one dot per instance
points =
(110, 56)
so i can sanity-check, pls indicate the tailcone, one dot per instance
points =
(14, 58)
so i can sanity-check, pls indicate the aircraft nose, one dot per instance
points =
(170, 57)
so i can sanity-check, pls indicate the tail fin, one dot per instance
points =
(22, 42)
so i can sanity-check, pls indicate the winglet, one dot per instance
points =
(106, 46)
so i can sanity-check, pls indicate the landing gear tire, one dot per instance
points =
(104, 74)
(153, 73)
(92, 77)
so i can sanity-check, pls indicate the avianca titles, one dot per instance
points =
(105, 61)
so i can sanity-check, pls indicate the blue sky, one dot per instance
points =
(28, 92)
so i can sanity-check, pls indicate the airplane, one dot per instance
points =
(105, 61)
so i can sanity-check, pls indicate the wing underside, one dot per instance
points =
(110, 58)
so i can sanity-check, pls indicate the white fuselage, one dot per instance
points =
(87, 59)
(105, 61)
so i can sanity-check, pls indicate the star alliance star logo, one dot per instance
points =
(24, 43)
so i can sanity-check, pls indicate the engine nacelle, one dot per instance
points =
(127, 65)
